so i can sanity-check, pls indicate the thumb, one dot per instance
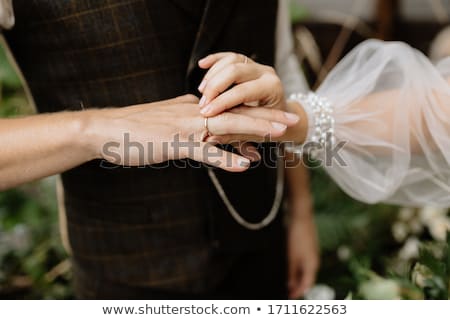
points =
(208, 61)
(306, 282)
(228, 161)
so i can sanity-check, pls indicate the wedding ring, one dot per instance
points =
(206, 134)
(245, 59)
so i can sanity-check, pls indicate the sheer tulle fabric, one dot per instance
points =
(392, 108)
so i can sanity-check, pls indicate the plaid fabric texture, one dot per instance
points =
(161, 228)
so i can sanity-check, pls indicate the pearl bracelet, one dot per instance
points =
(320, 134)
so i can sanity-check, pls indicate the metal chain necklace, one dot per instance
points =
(279, 189)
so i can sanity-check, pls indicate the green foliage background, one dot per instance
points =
(30, 248)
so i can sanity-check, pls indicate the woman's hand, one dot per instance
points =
(295, 133)
(233, 80)
(173, 129)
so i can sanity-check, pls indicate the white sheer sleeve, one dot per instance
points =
(392, 109)
(285, 59)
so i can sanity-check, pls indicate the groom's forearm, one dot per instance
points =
(42, 145)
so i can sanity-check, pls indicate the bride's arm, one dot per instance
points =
(391, 109)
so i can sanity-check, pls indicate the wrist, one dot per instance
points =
(302, 214)
(88, 133)
(298, 132)
(300, 205)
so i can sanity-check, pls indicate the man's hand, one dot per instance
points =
(175, 130)
(136, 135)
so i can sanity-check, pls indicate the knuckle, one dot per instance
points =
(274, 82)
(265, 127)
(279, 114)
(273, 78)
(189, 98)
(237, 92)
(233, 69)
(225, 121)
(234, 55)
(211, 93)
(224, 117)
(275, 114)
(279, 85)
(269, 70)
(212, 88)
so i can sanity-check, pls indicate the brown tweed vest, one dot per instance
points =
(162, 228)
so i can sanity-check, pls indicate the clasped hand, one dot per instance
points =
(176, 128)
(234, 80)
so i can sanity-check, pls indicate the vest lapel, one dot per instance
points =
(215, 18)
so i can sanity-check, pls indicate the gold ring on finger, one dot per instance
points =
(206, 133)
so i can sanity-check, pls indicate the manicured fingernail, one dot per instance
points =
(244, 163)
(292, 117)
(202, 101)
(202, 59)
(202, 86)
(279, 126)
(206, 109)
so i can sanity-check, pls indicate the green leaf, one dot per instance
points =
(298, 13)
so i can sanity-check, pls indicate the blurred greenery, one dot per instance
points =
(298, 12)
(342, 221)
(373, 251)
(361, 256)
(33, 263)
